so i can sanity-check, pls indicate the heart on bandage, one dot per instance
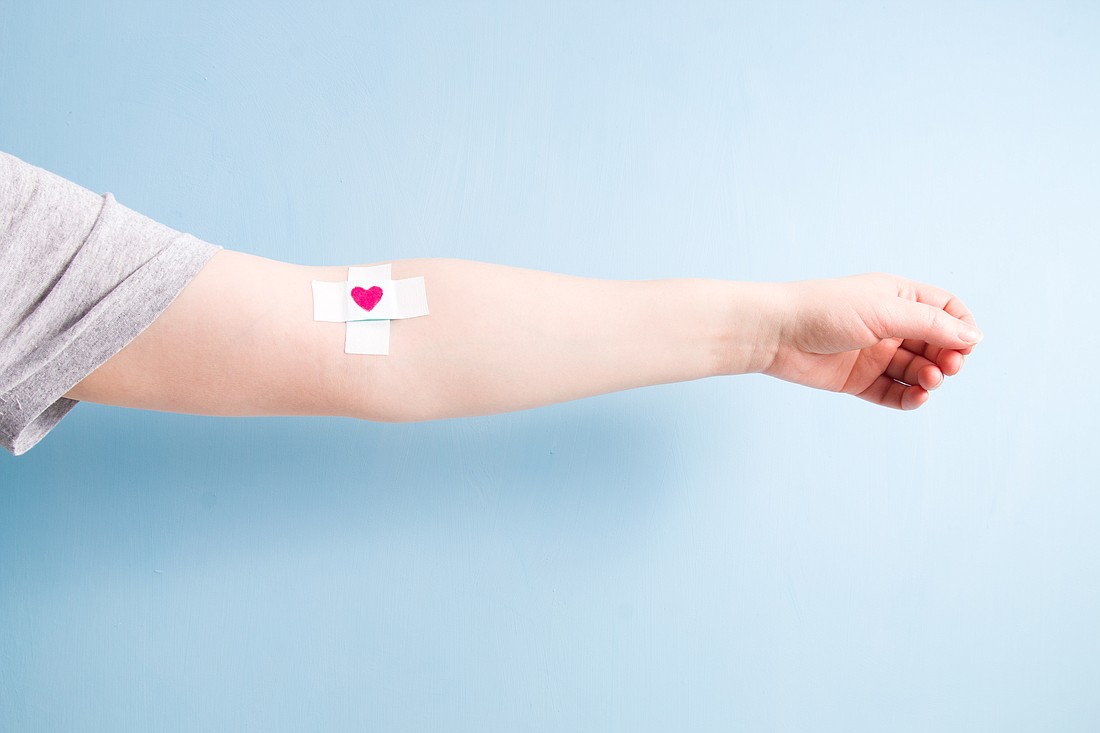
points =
(366, 298)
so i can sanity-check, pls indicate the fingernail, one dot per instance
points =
(970, 335)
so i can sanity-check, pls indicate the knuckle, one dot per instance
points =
(936, 319)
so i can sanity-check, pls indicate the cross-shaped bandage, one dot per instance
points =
(367, 301)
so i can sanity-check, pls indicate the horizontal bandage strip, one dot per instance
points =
(333, 302)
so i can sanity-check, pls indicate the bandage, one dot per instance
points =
(367, 301)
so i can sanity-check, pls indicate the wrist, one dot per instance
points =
(749, 334)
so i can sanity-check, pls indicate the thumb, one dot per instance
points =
(913, 320)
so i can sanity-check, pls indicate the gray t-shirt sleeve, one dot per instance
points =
(81, 276)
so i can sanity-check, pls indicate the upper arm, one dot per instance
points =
(240, 339)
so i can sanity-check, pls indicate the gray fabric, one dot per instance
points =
(81, 276)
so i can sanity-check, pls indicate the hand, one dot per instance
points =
(880, 337)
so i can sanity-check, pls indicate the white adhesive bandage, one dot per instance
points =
(366, 302)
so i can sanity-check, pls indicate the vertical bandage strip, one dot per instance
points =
(368, 332)
(367, 337)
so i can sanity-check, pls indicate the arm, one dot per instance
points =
(241, 340)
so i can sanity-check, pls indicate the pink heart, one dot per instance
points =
(366, 298)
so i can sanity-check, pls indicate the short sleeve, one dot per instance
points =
(81, 276)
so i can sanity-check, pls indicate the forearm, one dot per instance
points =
(502, 338)
(240, 340)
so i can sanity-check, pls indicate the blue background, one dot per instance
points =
(732, 554)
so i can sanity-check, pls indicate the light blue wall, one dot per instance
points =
(738, 554)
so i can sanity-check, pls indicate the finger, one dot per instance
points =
(912, 368)
(958, 309)
(890, 393)
(939, 298)
(949, 361)
(906, 319)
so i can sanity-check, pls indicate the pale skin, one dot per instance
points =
(241, 340)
